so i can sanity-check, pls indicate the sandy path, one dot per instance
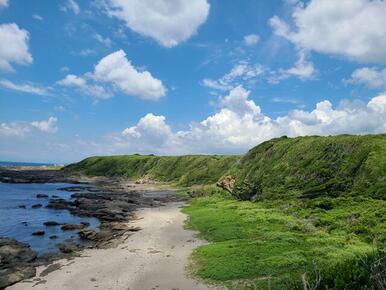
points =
(153, 258)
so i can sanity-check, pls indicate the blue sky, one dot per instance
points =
(81, 78)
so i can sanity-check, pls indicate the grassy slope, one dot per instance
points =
(183, 170)
(315, 166)
(320, 200)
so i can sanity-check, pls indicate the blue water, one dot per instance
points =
(12, 163)
(20, 223)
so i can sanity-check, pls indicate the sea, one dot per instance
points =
(18, 219)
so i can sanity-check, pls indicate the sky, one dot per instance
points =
(106, 77)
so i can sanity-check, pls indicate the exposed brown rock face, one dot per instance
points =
(227, 183)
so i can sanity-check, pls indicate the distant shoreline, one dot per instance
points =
(24, 164)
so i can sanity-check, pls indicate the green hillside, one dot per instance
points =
(182, 170)
(313, 166)
(313, 213)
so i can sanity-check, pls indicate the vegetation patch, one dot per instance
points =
(257, 245)
(181, 170)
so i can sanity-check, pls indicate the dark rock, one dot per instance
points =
(59, 204)
(134, 229)
(85, 224)
(38, 205)
(15, 262)
(41, 195)
(51, 224)
(88, 235)
(25, 223)
(22, 206)
(39, 233)
(71, 227)
(53, 237)
(68, 248)
(55, 196)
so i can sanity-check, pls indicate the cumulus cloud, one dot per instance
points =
(240, 124)
(169, 22)
(371, 77)
(117, 73)
(20, 129)
(16, 50)
(251, 39)
(24, 88)
(48, 126)
(353, 28)
(70, 5)
(241, 72)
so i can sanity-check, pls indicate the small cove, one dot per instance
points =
(18, 218)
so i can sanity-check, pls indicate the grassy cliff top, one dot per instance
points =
(312, 166)
(183, 170)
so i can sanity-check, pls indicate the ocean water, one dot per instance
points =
(31, 164)
(20, 223)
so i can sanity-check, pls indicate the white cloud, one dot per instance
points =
(4, 3)
(47, 126)
(96, 91)
(13, 129)
(371, 77)
(20, 129)
(16, 50)
(241, 72)
(303, 69)
(37, 17)
(25, 88)
(118, 70)
(115, 73)
(251, 39)
(353, 28)
(239, 124)
(169, 22)
(106, 41)
(70, 5)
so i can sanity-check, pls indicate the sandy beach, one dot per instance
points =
(155, 257)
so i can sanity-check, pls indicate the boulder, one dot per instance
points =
(41, 195)
(15, 262)
(38, 205)
(88, 235)
(68, 248)
(51, 224)
(72, 227)
(38, 233)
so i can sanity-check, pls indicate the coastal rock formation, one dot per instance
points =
(38, 233)
(227, 183)
(15, 262)
(51, 224)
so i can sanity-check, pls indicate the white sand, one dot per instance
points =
(153, 258)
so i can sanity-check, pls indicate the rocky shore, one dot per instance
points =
(112, 200)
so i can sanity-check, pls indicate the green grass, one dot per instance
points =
(313, 166)
(182, 170)
(260, 244)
